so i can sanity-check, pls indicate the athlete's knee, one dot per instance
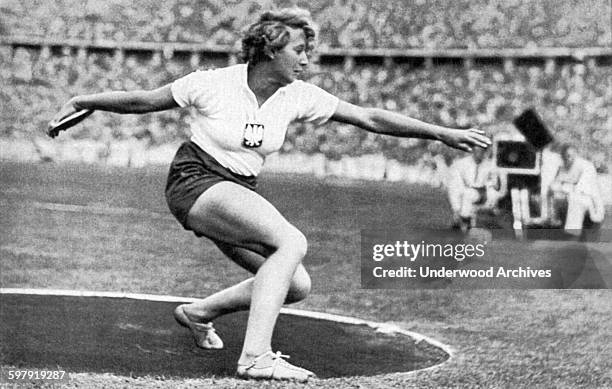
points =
(294, 242)
(300, 286)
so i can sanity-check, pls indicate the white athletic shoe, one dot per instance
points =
(271, 365)
(204, 334)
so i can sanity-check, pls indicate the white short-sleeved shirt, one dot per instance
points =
(473, 175)
(229, 124)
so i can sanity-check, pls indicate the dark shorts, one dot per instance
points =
(192, 172)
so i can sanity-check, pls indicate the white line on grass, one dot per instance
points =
(378, 327)
(98, 209)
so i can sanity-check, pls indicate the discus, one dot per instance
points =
(68, 122)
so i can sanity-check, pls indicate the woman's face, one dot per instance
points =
(291, 61)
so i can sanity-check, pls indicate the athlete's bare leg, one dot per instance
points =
(235, 216)
(238, 297)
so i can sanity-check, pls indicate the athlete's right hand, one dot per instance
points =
(67, 109)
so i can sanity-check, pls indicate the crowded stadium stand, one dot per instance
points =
(462, 63)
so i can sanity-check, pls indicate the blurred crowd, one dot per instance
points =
(574, 99)
(342, 23)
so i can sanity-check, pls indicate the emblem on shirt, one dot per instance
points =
(253, 135)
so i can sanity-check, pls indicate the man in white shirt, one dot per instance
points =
(575, 192)
(473, 184)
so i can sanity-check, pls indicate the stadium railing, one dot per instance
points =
(168, 49)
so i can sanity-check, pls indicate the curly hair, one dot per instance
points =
(270, 33)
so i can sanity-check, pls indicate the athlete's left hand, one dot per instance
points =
(466, 139)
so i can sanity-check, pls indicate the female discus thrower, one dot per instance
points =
(241, 115)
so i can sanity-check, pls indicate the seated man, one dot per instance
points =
(575, 192)
(473, 184)
(551, 161)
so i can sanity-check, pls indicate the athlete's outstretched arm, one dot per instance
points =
(390, 123)
(139, 101)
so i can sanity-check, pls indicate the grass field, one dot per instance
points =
(117, 235)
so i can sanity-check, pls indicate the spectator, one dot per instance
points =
(473, 184)
(575, 193)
